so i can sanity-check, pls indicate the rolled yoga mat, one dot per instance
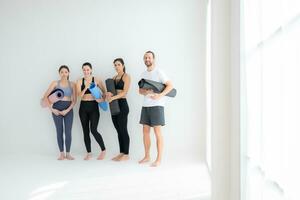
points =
(96, 92)
(114, 105)
(157, 87)
(56, 95)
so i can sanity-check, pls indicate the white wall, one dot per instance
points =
(37, 36)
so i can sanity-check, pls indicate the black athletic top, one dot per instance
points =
(83, 86)
(120, 84)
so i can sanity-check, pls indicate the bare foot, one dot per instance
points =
(144, 160)
(117, 157)
(88, 156)
(69, 157)
(124, 157)
(102, 155)
(61, 156)
(155, 164)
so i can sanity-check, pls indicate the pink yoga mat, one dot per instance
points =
(54, 96)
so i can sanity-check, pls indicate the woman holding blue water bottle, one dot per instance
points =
(89, 110)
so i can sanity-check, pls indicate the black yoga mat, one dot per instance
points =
(114, 105)
(157, 87)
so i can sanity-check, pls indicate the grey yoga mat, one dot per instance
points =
(114, 105)
(157, 87)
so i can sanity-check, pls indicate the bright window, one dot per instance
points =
(270, 96)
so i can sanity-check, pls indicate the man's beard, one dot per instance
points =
(148, 64)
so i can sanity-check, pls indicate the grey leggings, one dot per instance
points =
(68, 121)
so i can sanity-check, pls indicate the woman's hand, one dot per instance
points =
(63, 112)
(55, 112)
(108, 96)
(100, 100)
(110, 99)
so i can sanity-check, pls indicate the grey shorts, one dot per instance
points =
(153, 116)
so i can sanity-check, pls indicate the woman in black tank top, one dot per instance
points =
(89, 111)
(122, 83)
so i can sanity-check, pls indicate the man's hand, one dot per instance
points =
(156, 96)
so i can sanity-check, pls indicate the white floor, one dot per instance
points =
(44, 178)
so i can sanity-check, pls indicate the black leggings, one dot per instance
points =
(120, 123)
(89, 117)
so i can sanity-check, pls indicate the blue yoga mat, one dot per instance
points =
(96, 92)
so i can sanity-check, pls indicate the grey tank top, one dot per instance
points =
(67, 90)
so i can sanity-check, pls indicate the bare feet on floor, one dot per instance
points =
(145, 160)
(88, 156)
(102, 155)
(124, 157)
(155, 163)
(69, 157)
(61, 156)
(117, 157)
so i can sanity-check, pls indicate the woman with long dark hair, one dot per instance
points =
(89, 110)
(122, 84)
